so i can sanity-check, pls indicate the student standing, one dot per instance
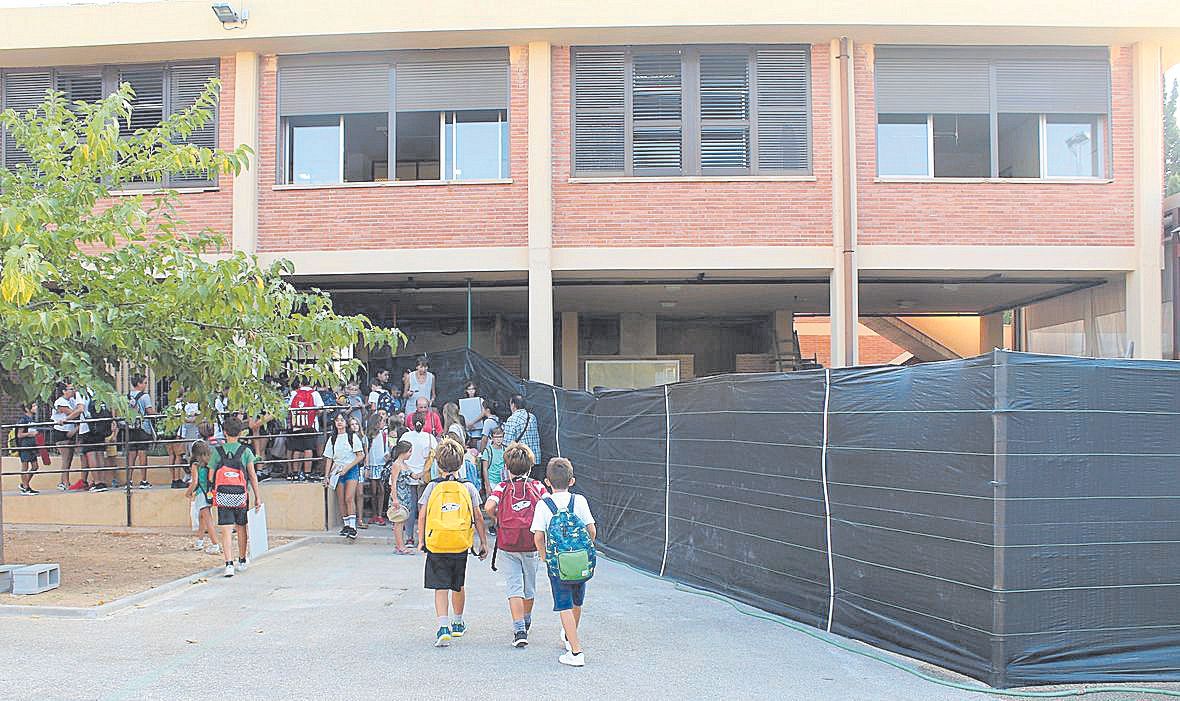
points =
(232, 467)
(422, 446)
(26, 442)
(512, 505)
(446, 532)
(563, 527)
(401, 489)
(305, 407)
(66, 408)
(344, 454)
(376, 466)
(359, 492)
(143, 432)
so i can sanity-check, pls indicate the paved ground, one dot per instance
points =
(351, 621)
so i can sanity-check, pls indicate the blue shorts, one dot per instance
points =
(567, 595)
(353, 475)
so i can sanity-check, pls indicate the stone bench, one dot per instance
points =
(35, 579)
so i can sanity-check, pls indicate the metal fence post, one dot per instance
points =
(127, 463)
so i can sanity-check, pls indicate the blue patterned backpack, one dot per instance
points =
(569, 550)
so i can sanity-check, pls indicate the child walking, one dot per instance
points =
(232, 467)
(564, 535)
(446, 532)
(199, 454)
(512, 505)
(344, 454)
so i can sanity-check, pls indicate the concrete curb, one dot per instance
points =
(109, 608)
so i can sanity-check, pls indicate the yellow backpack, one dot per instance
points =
(449, 524)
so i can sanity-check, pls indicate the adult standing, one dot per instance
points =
(67, 407)
(473, 428)
(422, 445)
(521, 427)
(419, 384)
(143, 431)
(431, 421)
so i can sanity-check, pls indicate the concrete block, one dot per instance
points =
(35, 579)
(6, 577)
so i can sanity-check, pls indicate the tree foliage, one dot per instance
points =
(88, 280)
(1172, 140)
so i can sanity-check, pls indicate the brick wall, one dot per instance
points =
(418, 216)
(693, 213)
(1012, 213)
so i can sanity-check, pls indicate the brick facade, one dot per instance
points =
(393, 216)
(749, 213)
(999, 213)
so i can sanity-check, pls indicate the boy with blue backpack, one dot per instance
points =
(564, 533)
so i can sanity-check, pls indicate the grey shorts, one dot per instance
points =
(520, 573)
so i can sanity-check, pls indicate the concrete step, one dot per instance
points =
(35, 579)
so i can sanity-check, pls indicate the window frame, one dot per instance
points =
(110, 82)
(691, 120)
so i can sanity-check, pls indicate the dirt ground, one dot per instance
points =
(100, 566)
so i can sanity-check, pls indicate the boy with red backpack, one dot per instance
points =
(232, 468)
(304, 415)
(511, 505)
(447, 533)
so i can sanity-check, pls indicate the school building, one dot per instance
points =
(618, 193)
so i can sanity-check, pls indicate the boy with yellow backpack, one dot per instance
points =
(446, 533)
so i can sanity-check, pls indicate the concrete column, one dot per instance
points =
(571, 369)
(637, 334)
(845, 278)
(1144, 287)
(540, 156)
(991, 332)
(245, 198)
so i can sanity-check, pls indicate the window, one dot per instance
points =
(671, 110)
(438, 116)
(160, 90)
(1031, 112)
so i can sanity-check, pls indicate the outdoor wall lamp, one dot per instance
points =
(227, 15)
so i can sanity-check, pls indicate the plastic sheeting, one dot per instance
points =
(1012, 517)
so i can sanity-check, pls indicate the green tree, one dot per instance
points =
(1172, 140)
(89, 280)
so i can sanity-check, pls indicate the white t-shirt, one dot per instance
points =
(423, 443)
(62, 408)
(542, 516)
(374, 397)
(341, 452)
(378, 449)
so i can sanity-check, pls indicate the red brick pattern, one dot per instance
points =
(1003, 213)
(693, 213)
(424, 216)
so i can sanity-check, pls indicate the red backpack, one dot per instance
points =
(303, 399)
(229, 481)
(514, 516)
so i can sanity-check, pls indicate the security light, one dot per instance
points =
(227, 15)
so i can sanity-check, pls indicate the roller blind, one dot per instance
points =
(476, 84)
(1053, 85)
(333, 89)
(921, 80)
(600, 104)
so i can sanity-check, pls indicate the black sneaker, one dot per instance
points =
(178, 484)
(98, 487)
(289, 477)
(263, 475)
(350, 532)
(28, 491)
(344, 530)
(520, 638)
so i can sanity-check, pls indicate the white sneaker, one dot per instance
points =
(565, 642)
(199, 545)
(63, 486)
(214, 549)
(241, 566)
(229, 570)
(573, 660)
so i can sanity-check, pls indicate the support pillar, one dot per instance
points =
(245, 192)
(540, 155)
(571, 369)
(1144, 285)
(844, 306)
(991, 332)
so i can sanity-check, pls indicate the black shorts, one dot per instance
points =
(302, 442)
(92, 447)
(139, 440)
(231, 517)
(446, 571)
(63, 438)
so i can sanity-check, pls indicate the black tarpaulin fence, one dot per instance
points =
(1013, 517)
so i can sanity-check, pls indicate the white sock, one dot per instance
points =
(443, 622)
(457, 618)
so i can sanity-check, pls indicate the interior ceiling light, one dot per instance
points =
(668, 303)
(671, 288)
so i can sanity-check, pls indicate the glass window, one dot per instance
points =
(962, 146)
(418, 146)
(314, 145)
(1019, 145)
(903, 145)
(476, 145)
(1071, 146)
(366, 147)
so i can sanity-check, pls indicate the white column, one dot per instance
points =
(1144, 286)
(540, 212)
(844, 335)
(245, 197)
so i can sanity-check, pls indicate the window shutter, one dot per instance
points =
(783, 102)
(147, 107)
(185, 85)
(725, 111)
(938, 80)
(22, 92)
(1053, 85)
(657, 106)
(83, 84)
(452, 85)
(600, 102)
(333, 89)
